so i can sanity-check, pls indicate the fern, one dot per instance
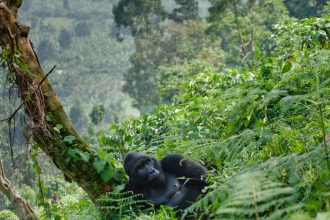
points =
(268, 190)
(255, 194)
(116, 205)
(250, 195)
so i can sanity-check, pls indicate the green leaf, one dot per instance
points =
(59, 126)
(69, 139)
(103, 154)
(36, 168)
(57, 130)
(111, 160)
(35, 146)
(99, 165)
(35, 155)
(287, 67)
(322, 32)
(50, 117)
(58, 217)
(84, 155)
(107, 173)
(73, 153)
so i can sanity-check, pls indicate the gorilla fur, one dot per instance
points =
(171, 181)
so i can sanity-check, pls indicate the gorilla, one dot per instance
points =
(171, 181)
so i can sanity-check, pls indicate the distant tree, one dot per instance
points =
(114, 112)
(64, 39)
(188, 9)
(305, 8)
(117, 32)
(242, 25)
(35, 21)
(78, 116)
(156, 46)
(181, 42)
(45, 27)
(45, 50)
(140, 15)
(66, 4)
(82, 29)
(326, 9)
(26, 5)
(41, 13)
(97, 114)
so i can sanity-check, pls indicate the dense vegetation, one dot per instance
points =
(244, 88)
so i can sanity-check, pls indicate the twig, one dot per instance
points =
(13, 114)
(50, 71)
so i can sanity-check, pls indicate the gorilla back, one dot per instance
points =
(172, 181)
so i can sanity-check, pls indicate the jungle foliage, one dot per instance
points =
(244, 89)
(262, 131)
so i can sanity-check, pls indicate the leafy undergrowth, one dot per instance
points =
(261, 132)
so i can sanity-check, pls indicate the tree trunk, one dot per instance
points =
(22, 208)
(43, 107)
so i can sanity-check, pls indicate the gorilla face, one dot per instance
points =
(143, 169)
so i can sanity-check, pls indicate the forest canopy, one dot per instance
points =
(243, 87)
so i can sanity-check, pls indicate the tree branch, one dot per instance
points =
(22, 208)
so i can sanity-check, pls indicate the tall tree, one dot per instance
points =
(243, 24)
(140, 15)
(51, 128)
(179, 43)
(156, 45)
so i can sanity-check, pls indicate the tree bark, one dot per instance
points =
(43, 106)
(22, 208)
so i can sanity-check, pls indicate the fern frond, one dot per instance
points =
(255, 194)
(119, 204)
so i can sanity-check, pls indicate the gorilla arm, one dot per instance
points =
(191, 184)
(175, 164)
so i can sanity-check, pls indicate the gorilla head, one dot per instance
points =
(143, 169)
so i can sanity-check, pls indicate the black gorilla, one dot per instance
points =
(171, 181)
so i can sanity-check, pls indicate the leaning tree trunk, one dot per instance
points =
(22, 208)
(51, 128)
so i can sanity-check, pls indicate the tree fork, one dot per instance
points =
(40, 102)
